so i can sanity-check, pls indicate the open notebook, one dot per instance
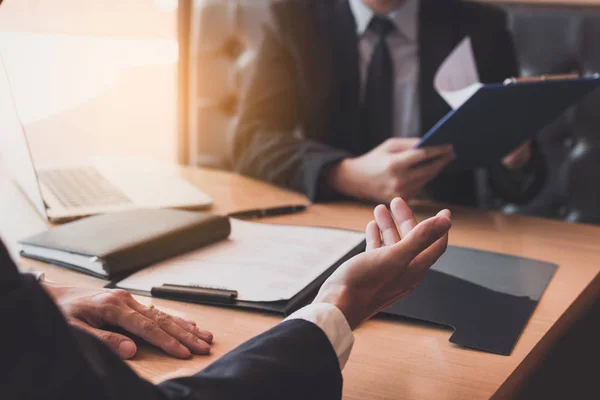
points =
(264, 263)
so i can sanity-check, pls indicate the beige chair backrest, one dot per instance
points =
(224, 37)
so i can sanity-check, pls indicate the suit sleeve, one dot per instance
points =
(294, 360)
(266, 143)
(44, 358)
(497, 60)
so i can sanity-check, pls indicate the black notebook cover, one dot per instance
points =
(127, 241)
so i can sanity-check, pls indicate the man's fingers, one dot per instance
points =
(150, 331)
(444, 213)
(416, 156)
(422, 236)
(193, 328)
(387, 226)
(429, 256)
(122, 345)
(426, 172)
(167, 324)
(155, 314)
(400, 144)
(403, 215)
(519, 156)
(189, 321)
(195, 340)
(373, 236)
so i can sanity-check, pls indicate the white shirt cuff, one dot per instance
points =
(333, 323)
(38, 275)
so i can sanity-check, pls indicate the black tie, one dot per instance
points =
(378, 97)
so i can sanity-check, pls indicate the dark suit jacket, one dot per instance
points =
(44, 358)
(301, 110)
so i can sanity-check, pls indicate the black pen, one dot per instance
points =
(267, 212)
(194, 293)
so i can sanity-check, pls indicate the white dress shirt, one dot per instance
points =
(404, 49)
(333, 323)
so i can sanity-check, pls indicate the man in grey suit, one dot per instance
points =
(343, 90)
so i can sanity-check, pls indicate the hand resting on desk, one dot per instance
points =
(93, 309)
(395, 262)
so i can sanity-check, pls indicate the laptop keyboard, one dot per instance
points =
(81, 187)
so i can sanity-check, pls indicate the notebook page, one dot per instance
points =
(262, 262)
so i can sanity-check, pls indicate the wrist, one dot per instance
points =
(54, 291)
(342, 178)
(340, 298)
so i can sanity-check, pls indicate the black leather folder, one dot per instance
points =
(486, 298)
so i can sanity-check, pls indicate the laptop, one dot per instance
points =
(68, 192)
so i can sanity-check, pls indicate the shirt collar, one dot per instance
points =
(405, 17)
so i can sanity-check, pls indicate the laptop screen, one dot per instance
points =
(14, 150)
(99, 76)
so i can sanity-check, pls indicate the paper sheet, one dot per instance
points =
(457, 79)
(262, 262)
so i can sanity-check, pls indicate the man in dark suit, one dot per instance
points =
(300, 358)
(342, 89)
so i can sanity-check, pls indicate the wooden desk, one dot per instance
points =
(391, 359)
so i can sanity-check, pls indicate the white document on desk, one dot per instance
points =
(262, 262)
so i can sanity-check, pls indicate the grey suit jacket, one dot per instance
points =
(301, 113)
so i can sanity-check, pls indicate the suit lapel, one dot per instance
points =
(438, 36)
(326, 48)
(314, 64)
(344, 44)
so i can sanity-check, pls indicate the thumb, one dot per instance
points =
(122, 345)
(423, 236)
(394, 145)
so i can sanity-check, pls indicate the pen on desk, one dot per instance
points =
(194, 293)
(268, 212)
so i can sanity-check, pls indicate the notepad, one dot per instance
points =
(111, 246)
(262, 262)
